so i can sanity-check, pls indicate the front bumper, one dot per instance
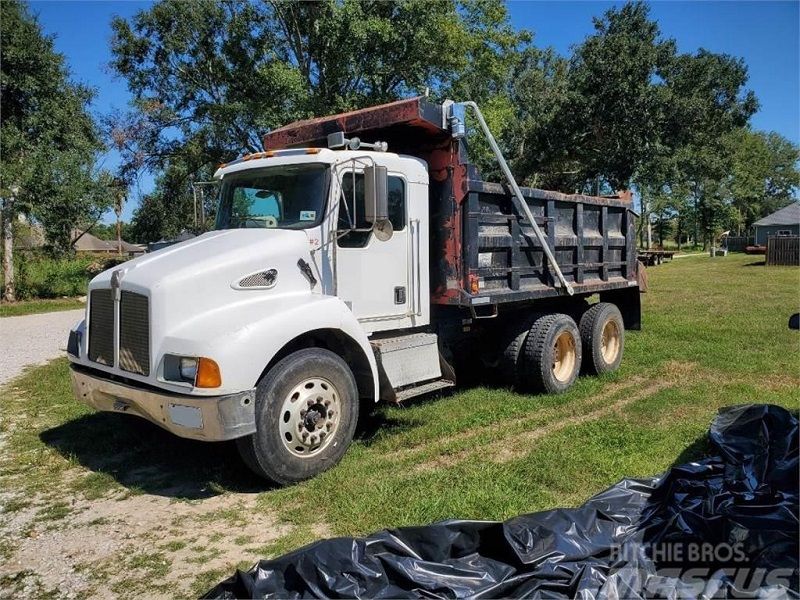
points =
(208, 418)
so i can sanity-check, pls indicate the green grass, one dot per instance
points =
(714, 334)
(30, 307)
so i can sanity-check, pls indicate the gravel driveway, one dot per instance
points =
(33, 340)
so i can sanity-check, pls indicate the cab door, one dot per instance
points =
(372, 275)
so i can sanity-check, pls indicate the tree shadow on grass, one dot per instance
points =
(758, 263)
(142, 457)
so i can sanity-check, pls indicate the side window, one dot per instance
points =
(352, 210)
(397, 203)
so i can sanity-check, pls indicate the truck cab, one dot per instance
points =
(313, 295)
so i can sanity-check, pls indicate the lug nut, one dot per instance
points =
(328, 426)
(330, 414)
(309, 402)
(327, 402)
(303, 413)
(304, 436)
(322, 435)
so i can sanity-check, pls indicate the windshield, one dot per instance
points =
(288, 197)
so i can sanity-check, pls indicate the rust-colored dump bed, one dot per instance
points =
(479, 249)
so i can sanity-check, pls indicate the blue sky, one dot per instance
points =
(765, 34)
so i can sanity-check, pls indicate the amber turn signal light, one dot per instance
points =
(207, 374)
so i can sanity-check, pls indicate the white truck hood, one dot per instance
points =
(200, 275)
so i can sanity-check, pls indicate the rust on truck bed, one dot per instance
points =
(480, 250)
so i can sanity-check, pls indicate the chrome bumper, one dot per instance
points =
(208, 418)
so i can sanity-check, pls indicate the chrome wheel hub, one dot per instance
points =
(310, 417)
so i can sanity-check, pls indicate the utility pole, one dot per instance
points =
(119, 200)
(198, 191)
(9, 294)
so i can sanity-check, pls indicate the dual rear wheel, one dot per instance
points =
(547, 353)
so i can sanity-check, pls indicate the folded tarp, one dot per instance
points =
(725, 526)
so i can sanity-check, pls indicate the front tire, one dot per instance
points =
(306, 416)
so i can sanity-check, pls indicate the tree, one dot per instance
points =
(707, 101)
(763, 176)
(209, 78)
(48, 139)
(616, 106)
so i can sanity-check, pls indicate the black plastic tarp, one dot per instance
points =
(725, 526)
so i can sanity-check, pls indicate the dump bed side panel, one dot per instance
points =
(593, 238)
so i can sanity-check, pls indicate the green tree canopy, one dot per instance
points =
(49, 140)
(209, 78)
(763, 175)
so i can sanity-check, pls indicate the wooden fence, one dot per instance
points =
(783, 250)
(738, 244)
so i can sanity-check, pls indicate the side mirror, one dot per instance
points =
(376, 194)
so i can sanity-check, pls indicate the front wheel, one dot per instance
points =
(306, 415)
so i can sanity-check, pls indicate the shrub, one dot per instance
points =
(41, 276)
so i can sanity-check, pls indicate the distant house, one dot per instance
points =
(783, 222)
(162, 243)
(31, 237)
(91, 244)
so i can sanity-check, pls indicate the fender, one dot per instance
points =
(245, 339)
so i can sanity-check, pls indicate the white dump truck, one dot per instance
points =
(359, 258)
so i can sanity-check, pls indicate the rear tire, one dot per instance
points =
(603, 337)
(306, 416)
(511, 369)
(552, 354)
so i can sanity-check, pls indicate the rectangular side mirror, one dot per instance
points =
(376, 193)
(336, 139)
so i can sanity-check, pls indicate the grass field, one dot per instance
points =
(30, 307)
(139, 511)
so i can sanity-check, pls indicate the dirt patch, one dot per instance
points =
(122, 546)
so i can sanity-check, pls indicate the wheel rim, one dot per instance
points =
(309, 417)
(610, 341)
(564, 357)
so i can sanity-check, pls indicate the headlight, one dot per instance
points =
(188, 369)
(199, 371)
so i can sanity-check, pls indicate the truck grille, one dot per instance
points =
(134, 333)
(101, 327)
(134, 330)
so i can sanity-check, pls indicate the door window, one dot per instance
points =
(352, 210)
